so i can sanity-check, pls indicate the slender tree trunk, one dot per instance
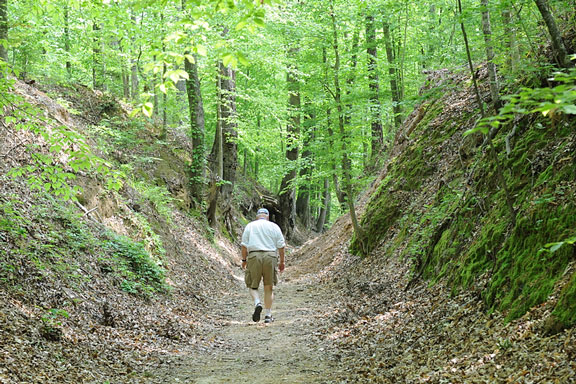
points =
(394, 88)
(432, 33)
(287, 190)
(97, 81)
(323, 215)
(377, 139)
(346, 163)
(125, 75)
(492, 74)
(257, 151)
(304, 190)
(134, 80)
(229, 125)
(164, 130)
(67, 38)
(511, 43)
(3, 31)
(197, 123)
(352, 77)
(557, 42)
(340, 195)
(216, 166)
(470, 65)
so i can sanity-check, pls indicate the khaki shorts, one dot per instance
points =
(261, 265)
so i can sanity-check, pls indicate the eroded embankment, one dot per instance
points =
(448, 272)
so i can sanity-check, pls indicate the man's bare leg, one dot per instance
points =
(268, 299)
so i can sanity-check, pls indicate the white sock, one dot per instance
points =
(268, 312)
(255, 296)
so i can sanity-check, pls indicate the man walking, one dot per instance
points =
(260, 241)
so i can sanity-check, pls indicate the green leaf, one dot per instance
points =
(554, 246)
(243, 60)
(241, 25)
(201, 50)
(569, 109)
(229, 60)
(148, 109)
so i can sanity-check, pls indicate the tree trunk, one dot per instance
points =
(197, 123)
(287, 190)
(304, 190)
(470, 65)
(97, 80)
(125, 75)
(340, 195)
(3, 31)
(323, 216)
(134, 80)
(557, 42)
(344, 136)
(432, 33)
(394, 88)
(216, 167)
(352, 77)
(216, 159)
(227, 95)
(377, 139)
(492, 75)
(257, 151)
(67, 38)
(510, 39)
(164, 130)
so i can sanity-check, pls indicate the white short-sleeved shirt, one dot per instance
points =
(262, 235)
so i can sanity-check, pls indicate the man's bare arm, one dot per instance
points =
(244, 256)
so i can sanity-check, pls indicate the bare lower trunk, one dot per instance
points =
(304, 189)
(492, 75)
(287, 190)
(510, 38)
(229, 133)
(97, 79)
(339, 194)
(323, 216)
(394, 86)
(555, 35)
(66, 38)
(3, 31)
(377, 139)
(197, 122)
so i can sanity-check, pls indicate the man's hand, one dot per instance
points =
(244, 264)
(281, 266)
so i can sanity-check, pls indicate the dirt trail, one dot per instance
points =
(284, 351)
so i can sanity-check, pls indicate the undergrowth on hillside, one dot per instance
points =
(457, 229)
(54, 239)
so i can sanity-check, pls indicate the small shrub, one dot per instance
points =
(140, 273)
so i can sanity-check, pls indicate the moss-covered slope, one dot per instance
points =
(442, 206)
